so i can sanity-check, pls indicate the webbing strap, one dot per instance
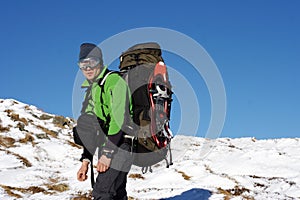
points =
(102, 81)
(101, 85)
(86, 101)
(92, 174)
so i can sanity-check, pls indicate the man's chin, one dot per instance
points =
(90, 77)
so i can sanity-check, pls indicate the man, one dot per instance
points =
(106, 100)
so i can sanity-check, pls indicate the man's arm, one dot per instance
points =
(116, 96)
(82, 172)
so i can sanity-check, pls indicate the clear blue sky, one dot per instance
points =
(255, 45)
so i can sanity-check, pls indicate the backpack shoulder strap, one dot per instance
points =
(101, 84)
(102, 81)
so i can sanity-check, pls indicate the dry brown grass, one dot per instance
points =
(60, 121)
(27, 107)
(11, 191)
(16, 117)
(184, 175)
(226, 193)
(3, 129)
(209, 169)
(8, 111)
(28, 138)
(21, 158)
(47, 131)
(58, 187)
(235, 192)
(54, 180)
(21, 126)
(45, 117)
(136, 176)
(74, 145)
(83, 196)
(36, 189)
(7, 141)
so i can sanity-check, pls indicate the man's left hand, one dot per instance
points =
(103, 164)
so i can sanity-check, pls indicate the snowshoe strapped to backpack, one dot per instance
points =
(143, 68)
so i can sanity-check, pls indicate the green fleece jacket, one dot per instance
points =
(115, 100)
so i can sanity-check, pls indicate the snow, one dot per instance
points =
(225, 168)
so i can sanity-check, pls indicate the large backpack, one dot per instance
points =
(143, 68)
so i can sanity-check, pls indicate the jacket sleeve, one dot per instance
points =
(86, 155)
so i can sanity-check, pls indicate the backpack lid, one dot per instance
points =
(132, 56)
(147, 45)
(142, 46)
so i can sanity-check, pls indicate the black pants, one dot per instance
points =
(111, 185)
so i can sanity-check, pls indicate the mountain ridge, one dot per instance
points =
(39, 161)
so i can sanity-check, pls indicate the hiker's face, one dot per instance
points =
(91, 73)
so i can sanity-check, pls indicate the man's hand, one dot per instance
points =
(82, 172)
(103, 164)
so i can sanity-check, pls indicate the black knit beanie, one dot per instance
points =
(88, 50)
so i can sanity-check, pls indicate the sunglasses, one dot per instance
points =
(91, 63)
